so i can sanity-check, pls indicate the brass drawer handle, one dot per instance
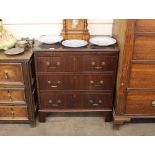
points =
(153, 103)
(6, 74)
(50, 101)
(95, 104)
(12, 113)
(93, 63)
(54, 86)
(53, 66)
(48, 63)
(59, 101)
(98, 67)
(91, 101)
(101, 82)
(103, 63)
(9, 95)
(55, 105)
(99, 101)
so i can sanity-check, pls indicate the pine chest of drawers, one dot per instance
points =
(75, 79)
(17, 88)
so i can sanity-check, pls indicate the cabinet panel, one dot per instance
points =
(142, 76)
(144, 48)
(145, 25)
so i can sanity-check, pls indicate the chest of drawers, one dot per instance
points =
(135, 96)
(75, 80)
(17, 88)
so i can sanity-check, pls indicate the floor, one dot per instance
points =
(77, 125)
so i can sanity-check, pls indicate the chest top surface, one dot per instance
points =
(19, 57)
(39, 47)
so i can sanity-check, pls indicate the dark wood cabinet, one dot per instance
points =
(17, 88)
(136, 70)
(75, 79)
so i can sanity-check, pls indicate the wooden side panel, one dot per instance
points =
(123, 31)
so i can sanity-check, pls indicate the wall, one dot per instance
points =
(35, 28)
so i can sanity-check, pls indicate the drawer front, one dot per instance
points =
(140, 103)
(55, 64)
(145, 25)
(55, 101)
(76, 82)
(12, 95)
(142, 76)
(96, 63)
(75, 101)
(13, 112)
(144, 48)
(11, 72)
(97, 101)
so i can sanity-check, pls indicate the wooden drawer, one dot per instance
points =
(97, 101)
(140, 103)
(55, 64)
(76, 82)
(142, 76)
(12, 96)
(144, 48)
(95, 63)
(64, 100)
(13, 112)
(145, 25)
(56, 100)
(11, 72)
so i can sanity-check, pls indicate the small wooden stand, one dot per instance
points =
(75, 29)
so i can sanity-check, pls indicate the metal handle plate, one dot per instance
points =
(98, 67)
(95, 104)
(153, 103)
(6, 74)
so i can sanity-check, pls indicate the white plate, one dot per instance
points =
(14, 51)
(49, 39)
(74, 43)
(102, 41)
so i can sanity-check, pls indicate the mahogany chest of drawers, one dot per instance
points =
(17, 88)
(75, 79)
(135, 95)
